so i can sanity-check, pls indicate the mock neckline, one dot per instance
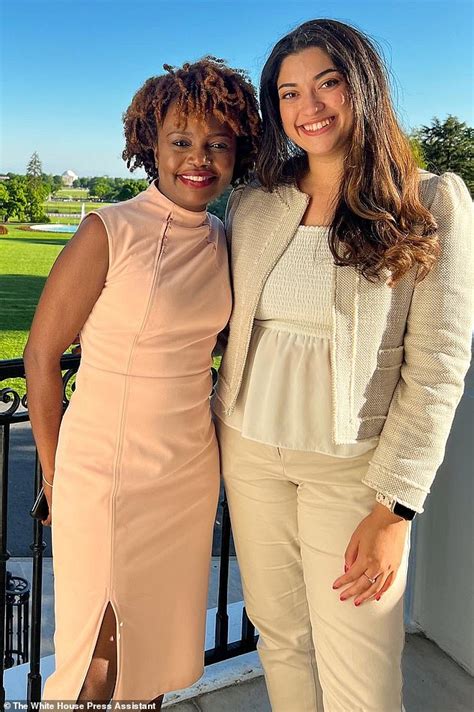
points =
(183, 216)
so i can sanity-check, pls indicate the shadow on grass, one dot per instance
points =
(38, 241)
(19, 295)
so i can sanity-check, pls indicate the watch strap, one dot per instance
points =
(394, 506)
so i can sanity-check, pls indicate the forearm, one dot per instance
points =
(45, 394)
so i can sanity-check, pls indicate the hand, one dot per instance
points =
(49, 495)
(375, 550)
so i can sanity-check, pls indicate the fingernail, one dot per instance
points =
(377, 598)
(346, 568)
(335, 585)
(357, 603)
(342, 598)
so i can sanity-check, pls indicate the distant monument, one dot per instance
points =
(68, 178)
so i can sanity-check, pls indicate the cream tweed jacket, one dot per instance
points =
(398, 355)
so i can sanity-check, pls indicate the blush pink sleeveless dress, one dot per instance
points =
(137, 470)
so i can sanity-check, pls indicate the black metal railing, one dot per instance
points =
(14, 410)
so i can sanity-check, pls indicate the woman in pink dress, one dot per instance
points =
(131, 473)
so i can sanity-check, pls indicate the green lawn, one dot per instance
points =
(56, 219)
(79, 193)
(73, 207)
(26, 259)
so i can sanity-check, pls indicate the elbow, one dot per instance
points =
(37, 359)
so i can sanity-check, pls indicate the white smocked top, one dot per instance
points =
(285, 397)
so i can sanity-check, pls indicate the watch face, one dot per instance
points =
(403, 511)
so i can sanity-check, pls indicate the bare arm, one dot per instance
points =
(70, 292)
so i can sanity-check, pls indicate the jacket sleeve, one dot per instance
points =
(231, 207)
(437, 351)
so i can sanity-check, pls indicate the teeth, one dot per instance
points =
(197, 179)
(319, 125)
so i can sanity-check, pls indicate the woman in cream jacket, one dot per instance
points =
(347, 348)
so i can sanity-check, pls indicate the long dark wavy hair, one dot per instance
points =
(208, 86)
(379, 221)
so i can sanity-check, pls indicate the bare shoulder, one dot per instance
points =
(91, 233)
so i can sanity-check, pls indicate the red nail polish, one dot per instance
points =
(377, 598)
(346, 568)
(342, 598)
(357, 603)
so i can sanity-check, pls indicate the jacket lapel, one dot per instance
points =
(263, 226)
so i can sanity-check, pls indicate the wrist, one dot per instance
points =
(393, 506)
(384, 514)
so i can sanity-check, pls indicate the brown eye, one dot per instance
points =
(331, 83)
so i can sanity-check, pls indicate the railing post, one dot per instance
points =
(38, 546)
(248, 631)
(222, 618)
(4, 555)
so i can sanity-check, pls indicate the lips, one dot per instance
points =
(197, 180)
(316, 128)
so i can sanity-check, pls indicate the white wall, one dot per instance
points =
(442, 595)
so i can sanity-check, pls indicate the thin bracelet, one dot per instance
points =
(48, 483)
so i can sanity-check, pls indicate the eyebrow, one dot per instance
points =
(318, 76)
(189, 133)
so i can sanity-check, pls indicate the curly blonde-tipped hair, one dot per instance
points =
(205, 87)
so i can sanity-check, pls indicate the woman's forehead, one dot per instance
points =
(208, 123)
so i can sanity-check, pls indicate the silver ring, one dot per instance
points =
(372, 580)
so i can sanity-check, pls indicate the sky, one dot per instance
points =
(69, 68)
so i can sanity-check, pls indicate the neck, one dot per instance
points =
(324, 174)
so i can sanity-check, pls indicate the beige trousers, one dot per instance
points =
(293, 514)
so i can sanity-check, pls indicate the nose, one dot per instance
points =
(200, 157)
(312, 104)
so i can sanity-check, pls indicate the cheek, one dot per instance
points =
(344, 103)
(227, 165)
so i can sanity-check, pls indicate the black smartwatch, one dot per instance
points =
(399, 509)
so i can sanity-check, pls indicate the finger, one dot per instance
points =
(373, 590)
(388, 582)
(352, 575)
(351, 554)
(381, 581)
(359, 587)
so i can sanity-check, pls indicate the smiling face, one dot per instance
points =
(195, 159)
(314, 103)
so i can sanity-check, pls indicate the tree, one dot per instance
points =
(417, 150)
(57, 183)
(3, 200)
(34, 170)
(17, 201)
(217, 207)
(99, 187)
(35, 197)
(129, 189)
(449, 146)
